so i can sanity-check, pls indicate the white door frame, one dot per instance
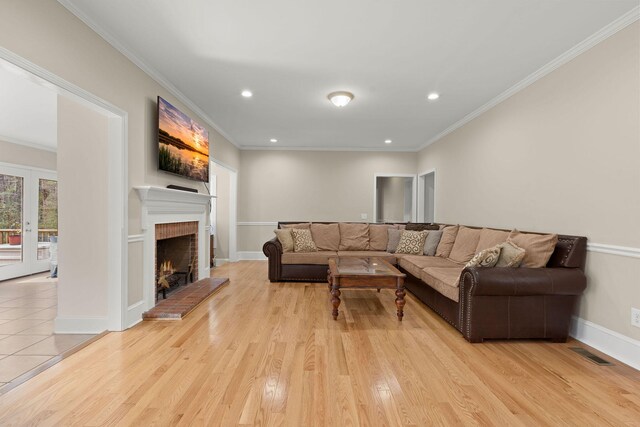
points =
(421, 193)
(394, 175)
(117, 198)
(233, 208)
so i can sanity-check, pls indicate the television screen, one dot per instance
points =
(183, 144)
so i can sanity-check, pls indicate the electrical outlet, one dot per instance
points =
(364, 216)
(635, 317)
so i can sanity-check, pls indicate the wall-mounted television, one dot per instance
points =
(183, 144)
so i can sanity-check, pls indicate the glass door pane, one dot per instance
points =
(11, 217)
(47, 215)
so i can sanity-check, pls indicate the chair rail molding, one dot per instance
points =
(626, 251)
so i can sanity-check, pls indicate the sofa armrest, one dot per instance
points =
(522, 281)
(273, 251)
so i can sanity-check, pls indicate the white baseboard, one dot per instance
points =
(134, 314)
(616, 345)
(80, 325)
(220, 261)
(251, 255)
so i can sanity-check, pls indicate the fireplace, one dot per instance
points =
(176, 260)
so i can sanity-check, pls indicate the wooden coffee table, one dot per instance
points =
(363, 273)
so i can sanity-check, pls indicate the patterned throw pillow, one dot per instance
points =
(511, 255)
(486, 258)
(302, 241)
(411, 242)
(286, 239)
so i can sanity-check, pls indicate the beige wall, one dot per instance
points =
(561, 156)
(308, 185)
(82, 286)
(45, 33)
(27, 156)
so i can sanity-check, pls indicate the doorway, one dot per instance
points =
(427, 196)
(28, 220)
(394, 198)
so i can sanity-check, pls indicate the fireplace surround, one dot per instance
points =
(170, 213)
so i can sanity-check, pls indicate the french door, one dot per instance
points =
(28, 218)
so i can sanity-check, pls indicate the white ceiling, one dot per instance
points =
(28, 109)
(390, 54)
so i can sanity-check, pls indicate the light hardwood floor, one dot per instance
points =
(258, 353)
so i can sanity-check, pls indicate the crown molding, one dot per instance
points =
(35, 145)
(314, 148)
(146, 68)
(601, 35)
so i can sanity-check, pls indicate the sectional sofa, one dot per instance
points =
(482, 303)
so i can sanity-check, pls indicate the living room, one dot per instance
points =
(535, 126)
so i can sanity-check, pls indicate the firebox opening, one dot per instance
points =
(175, 263)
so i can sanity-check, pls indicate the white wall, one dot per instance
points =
(82, 177)
(561, 156)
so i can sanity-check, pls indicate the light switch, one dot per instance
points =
(363, 216)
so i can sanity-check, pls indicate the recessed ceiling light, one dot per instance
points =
(273, 140)
(247, 93)
(433, 96)
(340, 98)
(387, 141)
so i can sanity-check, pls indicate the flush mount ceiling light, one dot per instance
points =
(340, 98)
(433, 96)
(273, 140)
(247, 93)
(387, 141)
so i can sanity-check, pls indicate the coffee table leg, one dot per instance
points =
(335, 300)
(400, 300)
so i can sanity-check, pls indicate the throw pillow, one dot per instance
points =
(354, 236)
(486, 257)
(431, 242)
(286, 239)
(511, 255)
(393, 239)
(538, 247)
(378, 237)
(490, 238)
(411, 242)
(446, 242)
(302, 241)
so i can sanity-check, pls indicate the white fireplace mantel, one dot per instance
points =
(165, 205)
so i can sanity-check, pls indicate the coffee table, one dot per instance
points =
(363, 273)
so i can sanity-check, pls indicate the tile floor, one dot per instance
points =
(27, 309)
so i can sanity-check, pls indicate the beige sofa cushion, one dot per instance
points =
(285, 237)
(321, 257)
(414, 264)
(464, 248)
(538, 247)
(367, 254)
(447, 240)
(354, 237)
(302, 225)
(411, 242)
(326, 236)
(445, 280)
(378, 237)
(511, 255)
(302, 241)
(490, 238)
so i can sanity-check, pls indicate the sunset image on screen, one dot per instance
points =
(183, 143)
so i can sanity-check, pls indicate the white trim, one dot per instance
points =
(601, 35)
(134, 313)
(24, 143)
(81, 325)
(414, 191)
(258, 223)
(614, 250)
(133, 238)
(421, 193)
(616, 345)
(251, 255)
(224, 165)
(220, 261)
(298, 148)
(26, 168)
(117, 176)
(146, 68)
